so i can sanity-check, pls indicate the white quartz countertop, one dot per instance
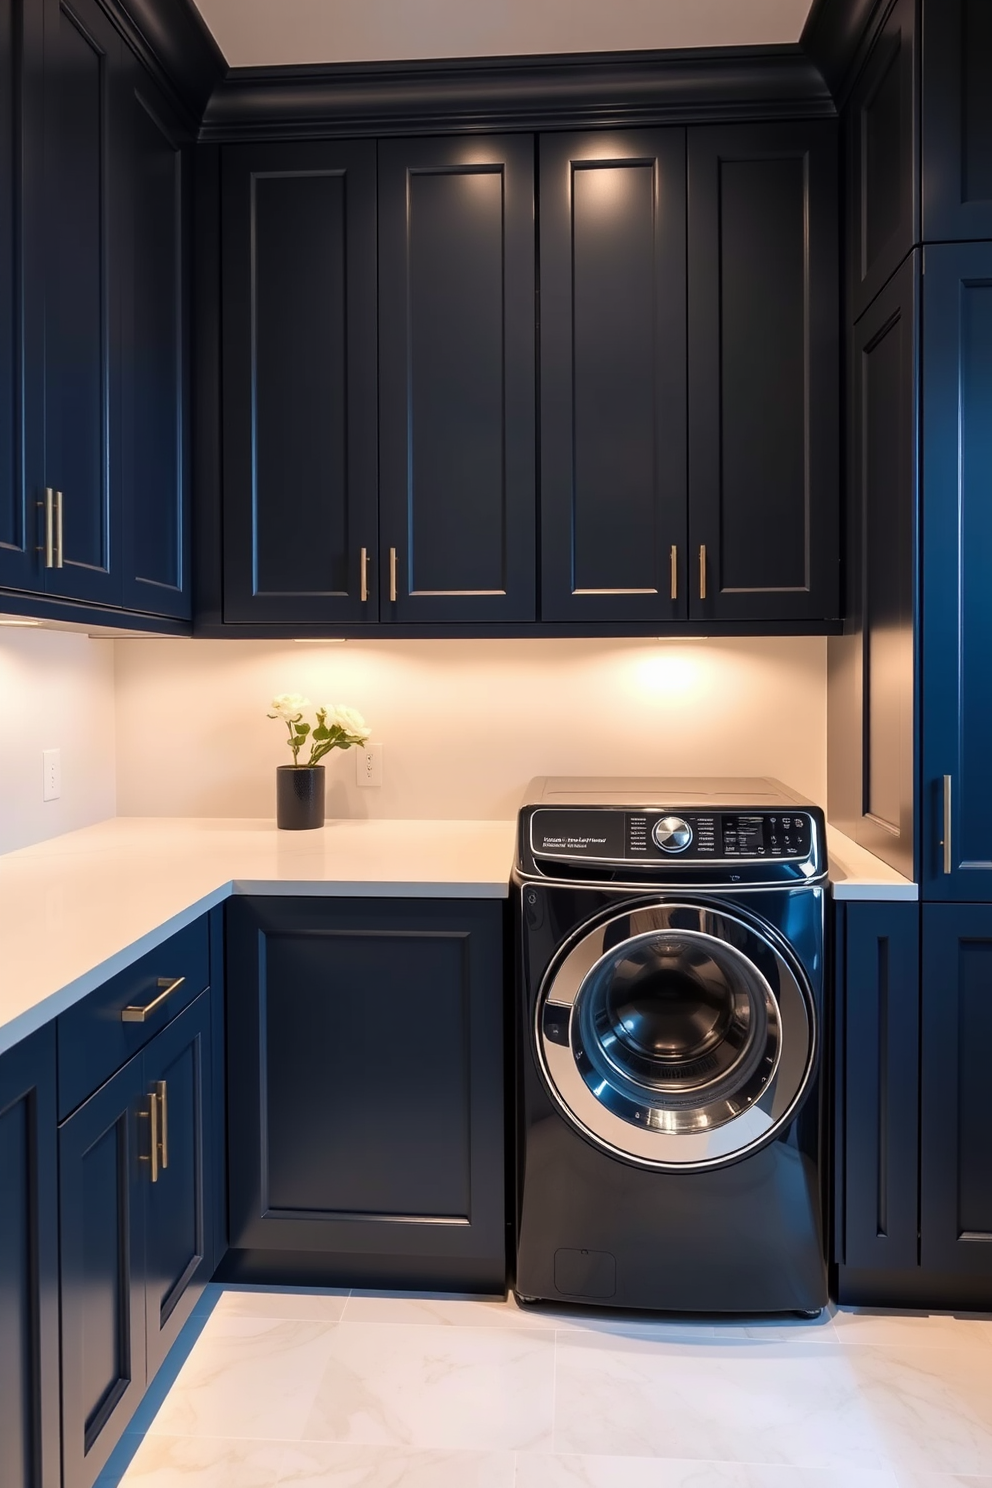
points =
(79, 908)
(856, 873)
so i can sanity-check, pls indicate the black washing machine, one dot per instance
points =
(670, 1145)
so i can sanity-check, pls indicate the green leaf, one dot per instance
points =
(302, 729)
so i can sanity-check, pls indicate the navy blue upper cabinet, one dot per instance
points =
(83, 144)
(883, 218)
(456, 379)
(957, 119)
(365, 1079)
(21, 153)
(613, 376)
(956, 1124)
(154, 498)
(29, 1286)
(763, 373)
(957, 560)
(299, 379)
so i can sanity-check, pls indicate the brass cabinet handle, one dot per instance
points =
(49, 527)
(162, 1092)
(674, 560)
(364, 569)
(946, 841)
(134, 1014)
(151, 1116)
(702, 570)
(392, 575)
(58, 529)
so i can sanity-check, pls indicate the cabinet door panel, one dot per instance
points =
(82, 60)
(177, 1072)
(299, 319)
(763, 373)
(613, 378)
(883, 204)
(102, 1263)
(956, 1230)
(957, 120)
(29, 1382)
(343, 1017)
(879, 1086)
(957, 560)
(456, 377)
(155, 541)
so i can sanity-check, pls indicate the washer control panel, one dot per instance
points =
(655, 835)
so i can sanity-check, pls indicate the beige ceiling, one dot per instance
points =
(256, 33)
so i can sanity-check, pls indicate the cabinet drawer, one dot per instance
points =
(93, 1038)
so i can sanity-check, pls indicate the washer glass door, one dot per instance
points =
(677, 1035)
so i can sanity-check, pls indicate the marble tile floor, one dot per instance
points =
(358, 1390)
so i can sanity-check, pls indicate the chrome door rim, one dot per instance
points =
(638, 1130)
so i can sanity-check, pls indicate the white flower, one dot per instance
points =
(289, 706)
(349, 721)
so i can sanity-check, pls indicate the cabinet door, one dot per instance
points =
(299, 384)
(155, 552)
(763, 373)
(957, 120)
(613, 376)
(456, 379)
(882, 158)
(878, 740)
(957, 561)
(82, 457)
(104, 1163)
(956, 1169)
(365, 1079)
(878, 1086)
(21, 165)
(177, 1067)
(29, 1299)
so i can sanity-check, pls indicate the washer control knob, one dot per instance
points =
(672, 834)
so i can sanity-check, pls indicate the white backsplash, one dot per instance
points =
(465, 723)
(56, 692)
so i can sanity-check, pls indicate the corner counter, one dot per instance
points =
(856, 873)
(79, 908)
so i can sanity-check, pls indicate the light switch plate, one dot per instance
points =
(368, 765)
(52, 776)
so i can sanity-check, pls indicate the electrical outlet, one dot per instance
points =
(51, 760)
(368, 764)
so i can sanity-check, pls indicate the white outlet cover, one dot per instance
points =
(368, 766)
(52, 774)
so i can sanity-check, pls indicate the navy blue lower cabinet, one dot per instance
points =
(878, 1027)
(365, 1089)
(956, 1170)
(135, 1161)
(29, 1301)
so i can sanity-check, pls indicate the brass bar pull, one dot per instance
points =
(392, 575)
(162, 1092)
(134, 1014)
(151, 1116)
(702, 570)
(365, 575)
(946, 842)
(58, 529)
(49, 527)
(674, 561)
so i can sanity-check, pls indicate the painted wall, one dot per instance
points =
(465, 724)
(56, 692)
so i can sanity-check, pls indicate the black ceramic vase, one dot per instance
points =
(299, 797)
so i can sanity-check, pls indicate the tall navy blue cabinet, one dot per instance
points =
(957, 120)
(956, 859)
(763, 372)
(29, 1286)
(613, 375)
(365, 1084)
(299, 383)
(456, 379)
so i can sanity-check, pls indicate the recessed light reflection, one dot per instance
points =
(320, 640)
